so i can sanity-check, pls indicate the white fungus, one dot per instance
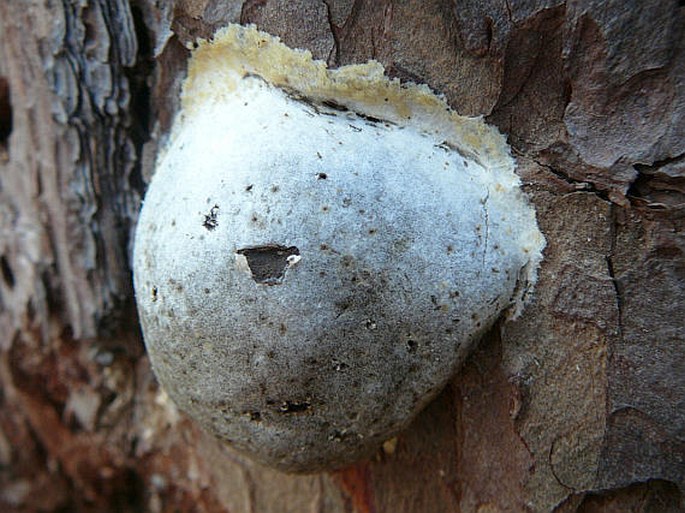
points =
(319, 250)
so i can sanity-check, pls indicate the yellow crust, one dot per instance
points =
(217, 66)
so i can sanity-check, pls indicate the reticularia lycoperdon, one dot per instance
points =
(319, 250)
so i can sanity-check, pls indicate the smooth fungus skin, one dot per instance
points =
(319, 250)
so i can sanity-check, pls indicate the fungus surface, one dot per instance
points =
(319, 250)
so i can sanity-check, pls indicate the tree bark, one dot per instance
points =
(579, 406)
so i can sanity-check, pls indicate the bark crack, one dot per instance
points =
(334, 54)
(661, 163)
(618, 293)
(552, 469)
(579, 185)
(612, 274)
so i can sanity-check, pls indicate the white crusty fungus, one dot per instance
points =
(319, 250)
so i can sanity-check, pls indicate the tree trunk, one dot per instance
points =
(579, 406)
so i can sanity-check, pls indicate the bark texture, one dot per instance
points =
(579, 406)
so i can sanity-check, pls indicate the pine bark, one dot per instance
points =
(579, 406)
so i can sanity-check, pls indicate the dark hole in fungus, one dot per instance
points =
(321, 176)
(336, 436)
(7, 273)
(211, 220)
(340, 366)
(340, 435)
(411, 345)
(269, 263)
(294, 406)
(254, 416)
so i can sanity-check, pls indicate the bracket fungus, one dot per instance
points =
(319, 250)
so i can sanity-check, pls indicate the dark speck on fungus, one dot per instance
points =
(211, 218)
(294, 406)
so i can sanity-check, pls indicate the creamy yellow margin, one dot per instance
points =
(217, 66)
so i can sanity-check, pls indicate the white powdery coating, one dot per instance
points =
(387, 255)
